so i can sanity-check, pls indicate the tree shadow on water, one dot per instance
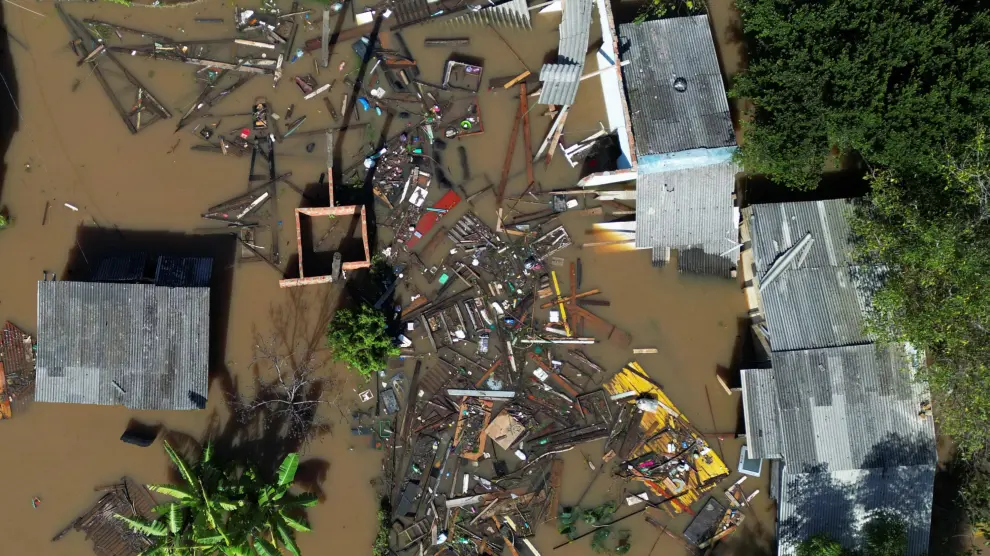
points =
(287, 404)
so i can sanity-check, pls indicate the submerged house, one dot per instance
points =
(848, 431)
(683, 142)
(137, 335)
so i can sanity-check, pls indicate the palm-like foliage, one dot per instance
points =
(230, 511)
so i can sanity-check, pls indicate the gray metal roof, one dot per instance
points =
(138, 345)
(562, 78)
(512, 13)
(819, 301)
(764, 439)
(840, 503)
(779, 226)
(560, 83)
(850, 407)
(666, 120)
(692, 211)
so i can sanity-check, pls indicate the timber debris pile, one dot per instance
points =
(490, 305)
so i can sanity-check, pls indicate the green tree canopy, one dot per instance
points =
(933, 241)
(359, 337)
(884, 534)
(820, 545)
(975, 497)
(892, 81)
(227, 510)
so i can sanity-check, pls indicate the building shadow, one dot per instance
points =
(951, 532)
(840, 184)
(9, 98)
(752, 540)
(94, 244)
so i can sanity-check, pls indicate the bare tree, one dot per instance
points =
(289, 392)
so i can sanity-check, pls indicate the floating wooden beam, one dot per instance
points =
(500, 192)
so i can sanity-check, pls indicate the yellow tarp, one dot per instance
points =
(669, 426)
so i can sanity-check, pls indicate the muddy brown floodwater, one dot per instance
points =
(71, 147)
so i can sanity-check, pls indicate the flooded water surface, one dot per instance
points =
(71, 147)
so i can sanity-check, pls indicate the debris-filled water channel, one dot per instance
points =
(292, 188)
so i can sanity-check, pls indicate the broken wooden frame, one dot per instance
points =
(352, 210)
(144, 108)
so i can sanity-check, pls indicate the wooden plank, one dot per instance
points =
(330, 165)
(555, 140)
(588, 293)
(527, 140)
(556, 472)
(611, 332)
(5, 412)
(517, 79)
(560, 302)
(573, 297)
(500, 192)
(325, 40)
(455, 41)
(226, 66)
(488, 373)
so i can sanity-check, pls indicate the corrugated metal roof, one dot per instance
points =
(815, 307)
(821, 302)
(561, 84)
(513, 13)
(850, 407)
(779, 226)
(692, 211)
(840, 503)
(762, 415)
(137, 345)
(664, 119)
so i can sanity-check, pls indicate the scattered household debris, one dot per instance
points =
(501, 384)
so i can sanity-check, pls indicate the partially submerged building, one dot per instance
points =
(682, 144)
(847, 427)
(137, 336)
(692, 210)
(110, 535)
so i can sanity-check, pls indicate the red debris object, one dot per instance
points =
(430, 219)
